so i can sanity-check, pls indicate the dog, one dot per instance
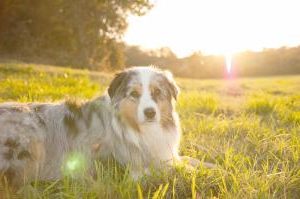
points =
(135, 122)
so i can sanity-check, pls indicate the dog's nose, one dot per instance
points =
(149, 113)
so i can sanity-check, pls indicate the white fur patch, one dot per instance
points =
(145, 74)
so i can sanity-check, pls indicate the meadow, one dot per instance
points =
(248, 127)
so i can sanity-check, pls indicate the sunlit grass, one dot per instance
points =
(198, 102)
(26, 84)
(253, 136)
(260, 105)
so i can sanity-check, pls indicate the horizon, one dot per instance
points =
(238, 26)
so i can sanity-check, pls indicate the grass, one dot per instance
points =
(250, 128)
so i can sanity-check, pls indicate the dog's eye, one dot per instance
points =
(156, 92)
(134, 94)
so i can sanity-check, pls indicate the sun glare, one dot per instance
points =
(228, 62)
(211, 26)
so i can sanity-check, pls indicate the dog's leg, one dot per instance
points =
(20, 158)
(196, 163)
(139, 173)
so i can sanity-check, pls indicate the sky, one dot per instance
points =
(216, 26)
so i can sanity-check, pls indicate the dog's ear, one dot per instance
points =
(172, 86)
(120, 80)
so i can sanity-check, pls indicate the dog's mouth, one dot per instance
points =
(149, 121)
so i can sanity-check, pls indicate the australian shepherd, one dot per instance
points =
(135, 122)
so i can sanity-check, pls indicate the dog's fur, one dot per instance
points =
(36, 139)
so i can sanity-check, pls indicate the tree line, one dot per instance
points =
(280, 61)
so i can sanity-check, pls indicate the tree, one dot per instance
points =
(67, 32)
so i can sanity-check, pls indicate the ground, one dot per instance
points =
(248, 127)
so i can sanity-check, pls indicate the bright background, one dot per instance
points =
(216, 26)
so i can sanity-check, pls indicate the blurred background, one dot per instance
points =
(192, 38)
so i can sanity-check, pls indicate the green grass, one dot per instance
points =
(250, 128)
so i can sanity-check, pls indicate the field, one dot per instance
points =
(249, 128)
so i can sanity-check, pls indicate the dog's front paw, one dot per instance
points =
(137, 174)
(196, 163)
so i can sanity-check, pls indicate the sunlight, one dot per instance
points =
(211, 26)
(228, 62)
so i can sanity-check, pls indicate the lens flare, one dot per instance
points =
(228, 62)
(75, 164)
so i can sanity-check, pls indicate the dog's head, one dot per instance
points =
(144, 96)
